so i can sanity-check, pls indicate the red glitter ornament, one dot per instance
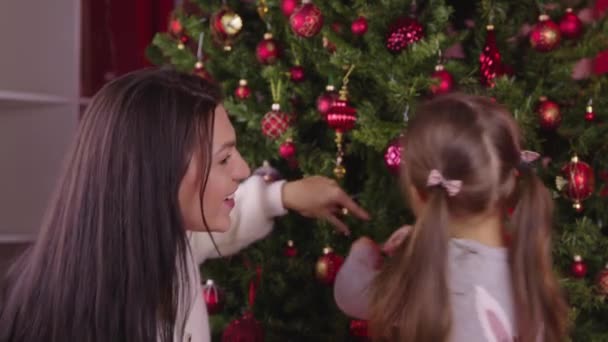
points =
(307, 20)
(578, 267)
(570, 26)
(490, 64)
(242, 92)
(446, 80)
(289, 6)
(275, 122)
(549, 114)
(268, 51)
(297, 74)
(403, 32)
(392, 157)
(359, 26)
(327, 266)
(287, 149)
(290, 249)
(214, 298)
(579, 181)
(545, 36)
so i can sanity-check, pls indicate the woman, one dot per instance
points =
(153, 170)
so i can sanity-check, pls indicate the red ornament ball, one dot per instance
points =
(402, 33)
(337, 27)
(359, 329)
(297, 74)
(275, 122)
(289, 6)
(359, 26)
(268, 50)
(327, 266)
(225, 24)
(445, 80)
(545, 36)
(326, 100)
(578, 267)
(175, 27)
(589, 114)
(287, 149)
(307, 20)
(392, 157)
(571, 27)
(267, 172)
(200, 71)
(602, 281)
(244, 329)
(242, 92)
(549, 114)
(328, 45)
(214, 298)
(290, 249)
(341, 117)
(580, 181)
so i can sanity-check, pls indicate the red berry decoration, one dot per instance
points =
(444, 81)
(275, 122)
(402, 33)
(571, 27)
(359, 26)
(307, 20)
(549, 114)
(327, 266)
(578, 267)
(268, 50)
(545, 35)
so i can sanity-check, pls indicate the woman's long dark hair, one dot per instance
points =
(110, 260)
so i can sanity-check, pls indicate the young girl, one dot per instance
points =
(455, 278)
(153, 170)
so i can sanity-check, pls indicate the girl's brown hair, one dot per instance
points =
(475, 140)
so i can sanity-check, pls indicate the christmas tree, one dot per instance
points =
(326, 87)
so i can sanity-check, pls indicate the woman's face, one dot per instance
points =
(227, 170)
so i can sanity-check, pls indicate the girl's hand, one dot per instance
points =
(396, 239)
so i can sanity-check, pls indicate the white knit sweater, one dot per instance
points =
(257, 203)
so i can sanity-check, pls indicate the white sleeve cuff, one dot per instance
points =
(274, 196)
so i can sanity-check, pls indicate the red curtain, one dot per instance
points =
(115, 34)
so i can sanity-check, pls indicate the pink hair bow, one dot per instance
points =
(451, 186)
(529, 156)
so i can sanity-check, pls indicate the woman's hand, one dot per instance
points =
(322, 198)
